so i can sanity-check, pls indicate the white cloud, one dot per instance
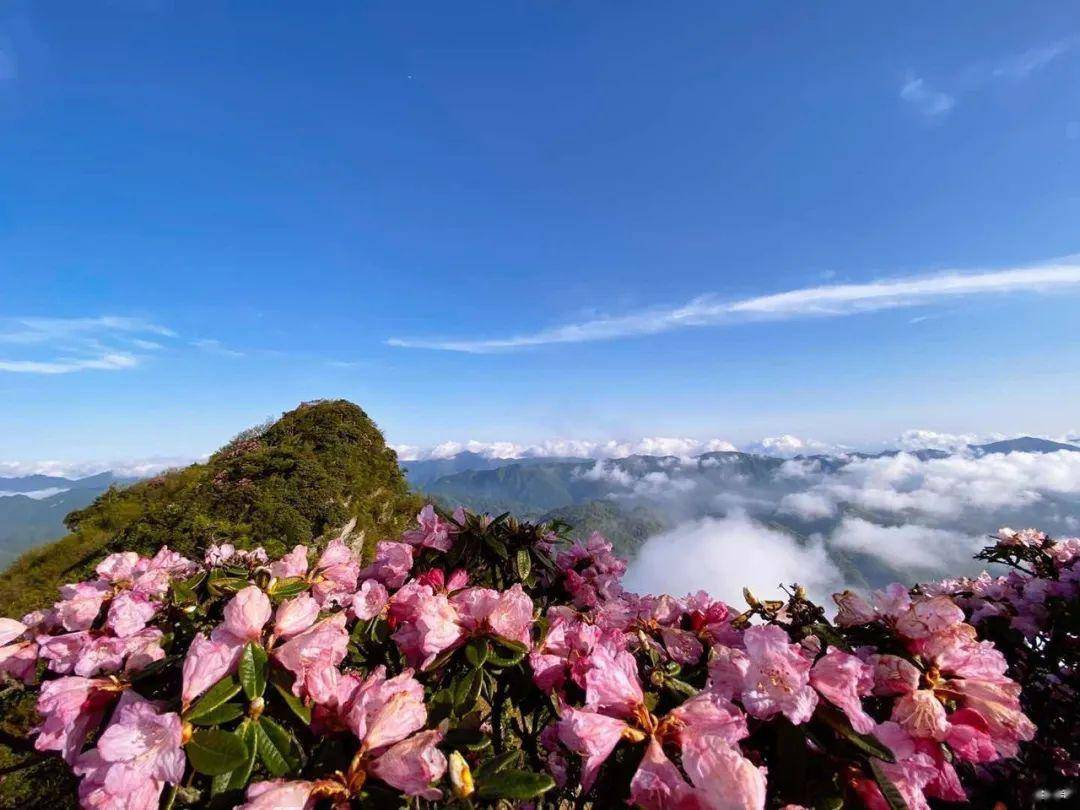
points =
(67, 345)
(215, 347)
(910, 547)
(935, 103)
(723, 555)
(106, 362)
(126, 468)
(928, 101)
(822, 301)
(1022, 65)
(807, 505)
(920, 439)
(950, 488)
(567, 448)
(788, 445)
(37, 494)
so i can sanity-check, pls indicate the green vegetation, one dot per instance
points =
(276, 485)
(626, 529)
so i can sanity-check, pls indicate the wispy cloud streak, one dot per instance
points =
(67, 345)
(822, 301)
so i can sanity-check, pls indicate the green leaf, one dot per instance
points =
(497, 763)
(290, 586)
(277, 749)
(222, 714)
(842, 726)
(476, 652)
(253, 670)
(220, 586)
(215, 696)
(440, 706)
(679, 687)
(523, 563)
(497, 546)
(467, 738)
(213, 751)
(513, 784)
(294, 703)
(888, 789)
(238, 778)
(506, 652)
(467, 691)
(441, 660)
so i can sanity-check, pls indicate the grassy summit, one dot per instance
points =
(276, 485)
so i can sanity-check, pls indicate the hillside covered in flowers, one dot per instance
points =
(478, 661)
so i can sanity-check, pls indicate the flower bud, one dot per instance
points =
(186, 731)
(255, 708)
(460, 776)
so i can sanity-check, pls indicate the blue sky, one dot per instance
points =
(212, 211)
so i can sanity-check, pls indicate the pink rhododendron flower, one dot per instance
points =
(507, 614)
(911, 772)
(709, 713)
(592, 735)
(70, 709)
(929, 616)
(722, 777)
(219, 554)
(658, 784)
(385, 711)
(128, 613)
(118, 567)
(247, 613)
(325, 642)
(844, 680)
(891, 601)
(293, 564)
(335, 574)
(141, 743)
(921, 714)
(612, 682)
(431, 532)
(295, 615)
(778, 677)
(969, 736)
(854, 610)
(413, 765)
(893, 675)
(682, 645)
(81, 604)
(206, 663)
(10, 630)
(370, 600)
(426, 622)
(728, 671)
(279, 794)
(391, 565)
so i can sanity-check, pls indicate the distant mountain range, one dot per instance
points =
(33, 507)
(628, 499)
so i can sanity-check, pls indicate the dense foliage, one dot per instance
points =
(475, 661)
(277, 485)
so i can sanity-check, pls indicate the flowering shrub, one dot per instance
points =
(1032, 615)
(477, 661)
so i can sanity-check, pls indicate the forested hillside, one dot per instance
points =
(311, 471)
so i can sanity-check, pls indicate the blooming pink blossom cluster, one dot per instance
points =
(1032, 613)
(487, 660)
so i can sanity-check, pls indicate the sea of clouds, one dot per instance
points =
(865, 523)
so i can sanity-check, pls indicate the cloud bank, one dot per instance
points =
(823, 301)
(722, 555)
